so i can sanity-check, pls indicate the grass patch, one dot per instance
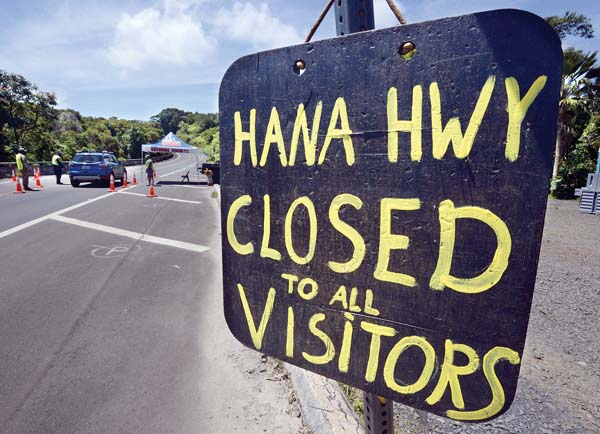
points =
(355, 396)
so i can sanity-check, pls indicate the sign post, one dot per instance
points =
(354, 16)
(383, 207)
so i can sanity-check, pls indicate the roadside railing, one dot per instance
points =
(45, 167)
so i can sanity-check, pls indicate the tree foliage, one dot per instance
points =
(169, 119)
(575, 151)
(197, 134)
(25, 114)
(573, 24)
(28, 118)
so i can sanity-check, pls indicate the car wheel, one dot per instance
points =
(74, 183)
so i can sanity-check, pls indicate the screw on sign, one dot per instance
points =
(383, 213)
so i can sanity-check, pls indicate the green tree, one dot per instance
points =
(152, 132)
(209, 143)
(135, 138)
(571, 23)
(71, 142)
(585, 126)
(576, 66)
(99, 137)
(169, 119)
(23, 110)
(591, 135)
(577, 88)
(68, 120)
(574, 169)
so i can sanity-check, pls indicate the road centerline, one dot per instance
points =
(163, 198)
(177, 171)
(130, 234)
(52, 214)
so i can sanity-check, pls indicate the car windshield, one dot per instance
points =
(87, 158)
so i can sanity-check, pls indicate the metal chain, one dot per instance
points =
(317, 23)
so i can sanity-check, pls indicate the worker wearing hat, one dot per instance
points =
(149, 166)
(57, 165)
(23, 168)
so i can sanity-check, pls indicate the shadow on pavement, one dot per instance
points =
(180, 183)
(96, 185)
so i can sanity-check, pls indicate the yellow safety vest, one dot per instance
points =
(56, 160)
(20, 158)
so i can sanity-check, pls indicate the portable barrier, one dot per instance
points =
(589, 201)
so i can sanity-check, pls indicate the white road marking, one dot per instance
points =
(181, 185)
(48, 216)
(160, 197)
(104, 252)
(180, 170)
(34, 222)
(134, 235)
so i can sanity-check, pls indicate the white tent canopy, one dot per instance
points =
(171, 143)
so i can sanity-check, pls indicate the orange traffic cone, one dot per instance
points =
(134, 180)
(38, 179)
(124, 184)
(19, 188)
(112, 183)
(14, 176)
(151, 192)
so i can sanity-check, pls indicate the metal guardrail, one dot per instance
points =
(46, 166)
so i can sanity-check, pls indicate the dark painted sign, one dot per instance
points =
(382, 212)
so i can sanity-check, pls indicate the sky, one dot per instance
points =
(133, 58)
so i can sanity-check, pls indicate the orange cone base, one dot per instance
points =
(124, 185)
(19, 189)
(134, 180)
(38, 183)
(151, 192)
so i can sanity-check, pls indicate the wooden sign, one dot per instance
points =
(382, 208)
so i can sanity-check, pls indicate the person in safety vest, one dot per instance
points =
(23, 168)
(57, 165)
(149, 166)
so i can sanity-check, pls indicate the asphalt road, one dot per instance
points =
(111, 315)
